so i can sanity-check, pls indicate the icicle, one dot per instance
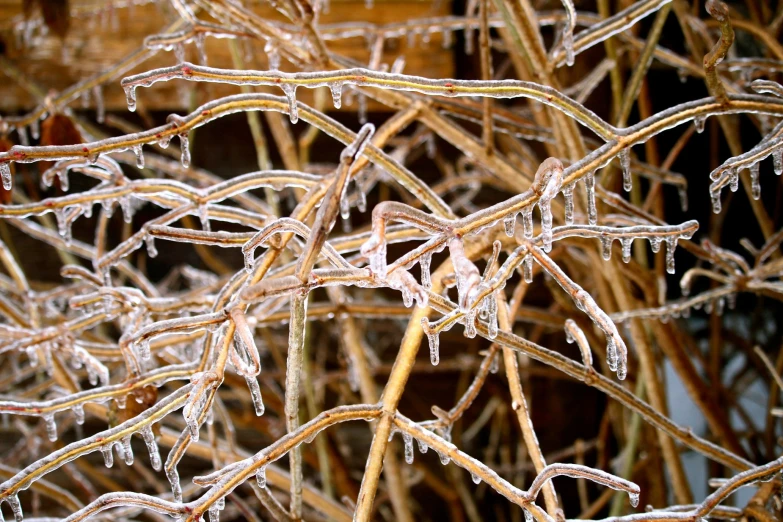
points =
(203, 216)
(21, 132)
(152, 447)
(733, 179)
(5, 173)
(527, 269)
(179, 53)
(494, 365)
(130, 97)
(568, 195)
(185, 146)
(78, 412)
(127, 209)
(671, 244)
(16, 507)
(108, 455)
(127, 450)
(509, 222)
(626, 244)
(272, 55)
(425, 262)
(62, 175)
(337, 94)
(139, 156)
(606, 247)
(100, 109)
(51, 427)
(176, 488)
(611, 354)
(144, 349)
(698, 122)
(362, 109)
(149, 240)
(683, 198)
(592, 212)
(261, 477)
(492, 316)
(447, 39)
(255, 395)
(568, 46)
(214, 513)
(527, 222)
(634, 498)
(470, 324)
(202, 53)
(63, 227)
(35, 129)
(407, 440)
(444, 459)
(475, 478)
(290, 93)
(546, 224)
(422, 446)
(433, 340)
(754, 181)
(249, 259)
(716, 203)
(777, 160)
(625, 162)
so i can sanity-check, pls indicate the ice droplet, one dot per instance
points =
(634, 498)
(422, 446)
(698, 122)
(475, 478)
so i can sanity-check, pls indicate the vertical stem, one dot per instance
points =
(519, 405)
(296, 338)
(486, 74)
